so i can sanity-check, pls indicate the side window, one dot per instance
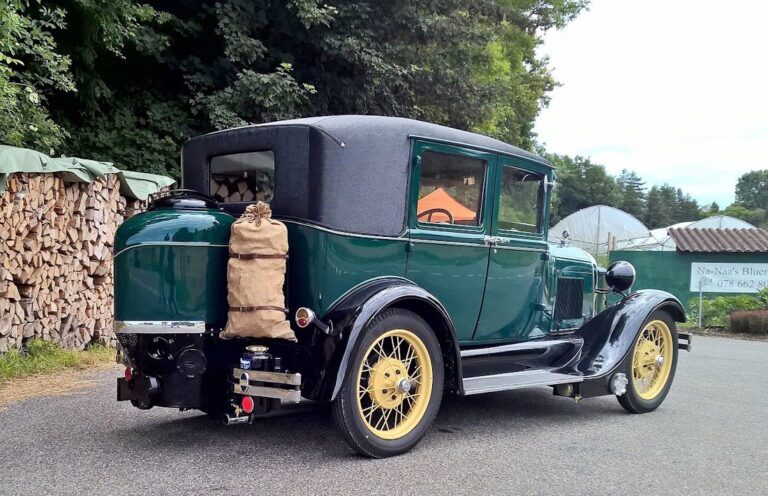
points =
(243, 177)
(450, 189)
(520, 201)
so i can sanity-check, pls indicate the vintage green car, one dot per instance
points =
(419, 265)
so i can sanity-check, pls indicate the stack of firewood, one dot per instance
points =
(255, 186)
(56, 258)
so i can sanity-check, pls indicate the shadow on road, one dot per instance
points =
(307, 432)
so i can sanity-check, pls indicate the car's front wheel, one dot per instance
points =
(651, 366)
(393, 386)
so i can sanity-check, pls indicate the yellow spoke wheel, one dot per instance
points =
(652, 359)
(394, 384)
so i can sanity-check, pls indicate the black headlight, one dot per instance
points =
(620, 276)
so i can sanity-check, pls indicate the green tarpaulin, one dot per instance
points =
(137, 185)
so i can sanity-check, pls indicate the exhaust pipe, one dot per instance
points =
(228, 419)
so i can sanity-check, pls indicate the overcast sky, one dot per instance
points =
(676, 90)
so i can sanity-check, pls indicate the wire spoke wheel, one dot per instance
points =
(394, 384)
(652, 360)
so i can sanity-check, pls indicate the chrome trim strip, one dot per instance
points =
(516, 380)
(405, 238)
(341, 233)
(170, 243)
(529, 345)
(480, 245)
(519, 248)
(158, 327)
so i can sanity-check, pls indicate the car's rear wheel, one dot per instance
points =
(651, 366)
(393, 386)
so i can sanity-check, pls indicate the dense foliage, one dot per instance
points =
(715, 311)
(583, 183)
(130, 82)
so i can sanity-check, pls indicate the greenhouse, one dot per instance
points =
(600, 229)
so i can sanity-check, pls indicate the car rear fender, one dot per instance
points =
(355, 311)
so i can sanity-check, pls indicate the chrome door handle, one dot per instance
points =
(495, 240)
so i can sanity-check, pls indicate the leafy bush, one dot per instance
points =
(762, 295)
(715, 311)
(749, 321)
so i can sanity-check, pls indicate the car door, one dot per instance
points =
(449, 219)
(516, 278)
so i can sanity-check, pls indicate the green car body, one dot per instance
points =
(393, 226)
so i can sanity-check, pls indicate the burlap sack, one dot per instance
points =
(258, 249)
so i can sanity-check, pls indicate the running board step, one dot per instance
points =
(516, 380)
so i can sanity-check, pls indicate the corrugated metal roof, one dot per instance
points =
(710, 240)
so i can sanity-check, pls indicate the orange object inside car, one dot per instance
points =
(440, 199)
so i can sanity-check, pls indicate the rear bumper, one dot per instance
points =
(260, 384)
(158, 327)
(684, 340)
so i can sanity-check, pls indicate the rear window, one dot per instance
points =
(243, 177)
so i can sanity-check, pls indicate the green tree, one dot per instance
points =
(757, 217)
(752, 190)
(632, 191)
(711, 209)
(686, 208)
(581, 184)
(658, 209)
(31, 68)
(130, 82)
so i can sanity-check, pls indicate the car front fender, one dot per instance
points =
(609, 336)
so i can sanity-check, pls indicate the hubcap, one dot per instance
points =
(404, 386)
(650, 366)
(394, 384)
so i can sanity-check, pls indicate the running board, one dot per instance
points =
(516, 380)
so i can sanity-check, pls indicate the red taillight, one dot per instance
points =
(247, 404)
(304, 317)
(128, 374)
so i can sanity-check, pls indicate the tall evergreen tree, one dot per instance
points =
(658, 210)
(632, 189)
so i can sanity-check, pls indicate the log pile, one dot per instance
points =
(251, 187)
(56, 259)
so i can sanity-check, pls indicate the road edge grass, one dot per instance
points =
(40, 357)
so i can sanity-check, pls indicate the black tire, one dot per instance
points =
(631, 400)
(348, 415)
(141, 405)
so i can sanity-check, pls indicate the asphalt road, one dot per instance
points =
(709, 437)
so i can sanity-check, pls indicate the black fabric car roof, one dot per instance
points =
(347, 172)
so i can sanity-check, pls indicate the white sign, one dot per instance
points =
(728, 277)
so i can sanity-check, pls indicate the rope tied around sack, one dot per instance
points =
(255, 213)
